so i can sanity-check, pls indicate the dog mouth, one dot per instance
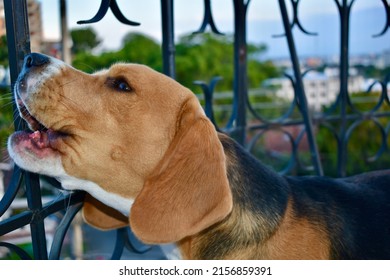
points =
(41, 140)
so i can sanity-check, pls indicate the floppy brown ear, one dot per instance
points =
(189, 190)
(102, 216)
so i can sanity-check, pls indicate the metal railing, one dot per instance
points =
(341, 119)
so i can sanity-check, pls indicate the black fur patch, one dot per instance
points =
(354, 212)
(258, 193)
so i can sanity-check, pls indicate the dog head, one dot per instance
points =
(131, 138)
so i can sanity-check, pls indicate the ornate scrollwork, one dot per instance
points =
(104, 6)
(208, 91)
(11, 192)
(296, 21)
(383, 146)
(17, 250)
(208, 20)
(387, 24)
(291, 162)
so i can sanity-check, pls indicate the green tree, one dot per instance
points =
(136, 48)
(139, 48)
(3, 51)
(84, 40)
(6, 124)
(198, 57)
(364, 142)
(202, 56)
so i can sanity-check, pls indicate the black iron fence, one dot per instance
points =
(341, 119)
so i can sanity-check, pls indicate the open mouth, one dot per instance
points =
(42, 140)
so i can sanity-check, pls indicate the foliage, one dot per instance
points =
(366, 148)
(84, 40)
(202, 56)
(137, 48)
(365, 140)
(6, 122)
(373, 72)
(3, 51)
(27, 247)
(198, 57)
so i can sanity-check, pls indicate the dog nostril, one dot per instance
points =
(29, 61)
(35, 59)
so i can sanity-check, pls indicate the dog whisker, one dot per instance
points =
(74, 104)
(68, 83)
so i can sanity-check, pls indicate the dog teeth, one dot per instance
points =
(40, 139)
(36, 135)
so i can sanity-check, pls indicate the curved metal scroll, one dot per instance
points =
(125, 238)
(296, 21)
(208, 91)
(208, 20)
(19, 251)
(62, 229)
(294, 147)
(383, 146)
(387, 24)
(12, 190)
(104, 6)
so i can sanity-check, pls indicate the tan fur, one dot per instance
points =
(297, 239)
(112, 133)
(188, 191)
(294, 239)
(101, 216)
(156, 145)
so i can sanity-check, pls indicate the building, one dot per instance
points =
(2, 19)
(383, 60)
(35, 24)
(321, 88)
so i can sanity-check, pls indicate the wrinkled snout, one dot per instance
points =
(36, 68)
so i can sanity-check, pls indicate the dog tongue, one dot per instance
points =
(43, 139)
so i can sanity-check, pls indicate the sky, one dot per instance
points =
(263, 19)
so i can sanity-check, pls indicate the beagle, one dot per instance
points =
(142, 148)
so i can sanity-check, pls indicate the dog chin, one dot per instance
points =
(31, 153)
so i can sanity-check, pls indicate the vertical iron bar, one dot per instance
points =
(18, 38)
(240, 71)
(344, 12)
(168, 38)
(34, 203)
(300, 91)
(66, 57)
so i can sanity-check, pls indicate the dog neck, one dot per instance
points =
(260, 199)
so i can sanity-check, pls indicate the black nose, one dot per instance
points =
(35, 60)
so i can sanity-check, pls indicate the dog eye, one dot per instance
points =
(123, 86)
(119, 84)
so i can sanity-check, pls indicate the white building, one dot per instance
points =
(321, 88)
(383, 60)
